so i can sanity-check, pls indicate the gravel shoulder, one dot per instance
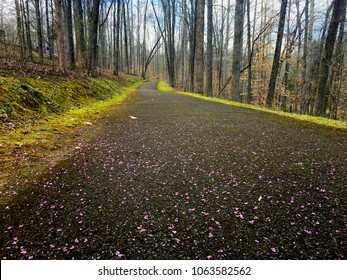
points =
(173, 177)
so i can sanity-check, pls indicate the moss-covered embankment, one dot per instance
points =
(44, 120)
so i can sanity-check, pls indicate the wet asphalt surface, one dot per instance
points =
(173, 177)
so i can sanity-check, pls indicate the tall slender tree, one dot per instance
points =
(308, 54)
(70, 36)
(116, 28)
(339, 65)
(277, 55)
(167, 32)
(93, 38)
(220, 47)
(209, 57)
(26, 18)
(323, 86)
(192, 43)
(39, 30)
(237, 49)
(79, 23)
(250, 52)
(184, 46)
(20, 30)
(61, 40)
(126, 46)
(199, 46)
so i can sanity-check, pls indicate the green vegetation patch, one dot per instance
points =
(42, 120)
(163, 86)
(25, 98)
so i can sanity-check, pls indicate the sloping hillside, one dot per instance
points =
(44, 114)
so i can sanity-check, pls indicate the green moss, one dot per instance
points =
(163, 86)
(46, 115)
(31, 98)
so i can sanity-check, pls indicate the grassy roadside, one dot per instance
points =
(163, 86)
(43, 133)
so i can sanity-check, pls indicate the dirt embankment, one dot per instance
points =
(42, 113)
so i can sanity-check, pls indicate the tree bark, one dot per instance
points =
(220, 47)
(117, 36)
(72, 64)
(20, 30)
(209, 57)
(289, 48)
(168, 35)
(49, 35)
(250, 53)
(323, 85)
(143, 58)
(237, 50)
(61, 41)
(192, 41)
(81, 48)
(184, 43)
(318, 60)
(39, 31)
(276, 59)
(338, 67)
(227, 41)
(298, 77)
(93, 38)
(26, 15)
(199, 47)
(309, 55)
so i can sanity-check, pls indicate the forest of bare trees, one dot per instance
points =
(288, 55)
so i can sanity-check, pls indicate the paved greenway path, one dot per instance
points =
(188, 179)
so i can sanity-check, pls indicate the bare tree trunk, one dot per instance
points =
(184, 43)
(237, 49)
(323, 85)
(131, 36)
(60, 31)
(276, 60)
(125, 38)
(116, 21)
(72, 64)
(250, 53)
(168, 35)
(309, 57)
(49, 49)
(81, 48)
(199, 47)
(144, 42)
(171, 53)
(192, 43)
(93, 38)
(221, 49)
(26, 15)
(318, 60)
(138, 46)
(20, 30)
(209, 48)
(298, 77)
(151, 55)
(226, 42)
(288, 53)
(39, 31)
(338, 67)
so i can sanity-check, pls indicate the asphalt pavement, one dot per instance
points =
(175, 177)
